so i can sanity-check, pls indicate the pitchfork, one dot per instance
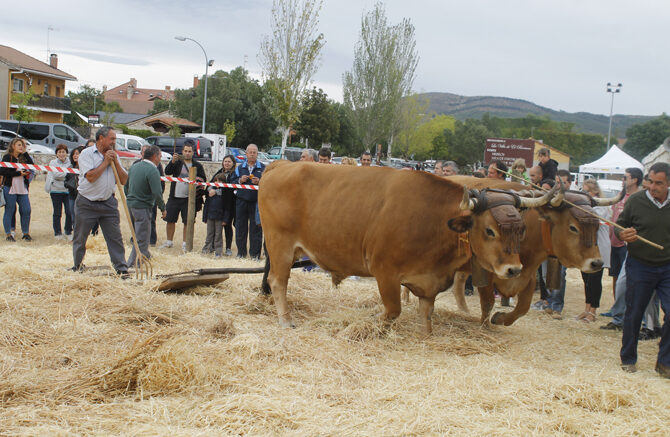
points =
(143, 266)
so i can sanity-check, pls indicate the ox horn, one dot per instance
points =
(607, 201)
(560, 195)
(531, 202)
(467, 204)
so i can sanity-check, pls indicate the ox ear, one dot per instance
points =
(460, 224)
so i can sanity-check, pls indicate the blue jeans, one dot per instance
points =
(61, 202)
(10, 209)
(618, 310)
(642, 279)
(70, 203)
(555, 298)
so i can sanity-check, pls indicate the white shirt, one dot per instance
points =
(103, 188)
(656, 202)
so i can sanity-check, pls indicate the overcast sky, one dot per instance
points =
(555, 53)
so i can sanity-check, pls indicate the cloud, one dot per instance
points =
(96, 56)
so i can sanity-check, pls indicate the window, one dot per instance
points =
(65, 133)
(46, 89)
(35, 132)
(17, 85)
(134, 145)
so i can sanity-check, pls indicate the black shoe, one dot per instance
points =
(27, 237)
(611, 326)
(629, 368)
(469, 292)
(11, 238)
(647, 334)
(662, 370)
(80, 268)
(123, 274)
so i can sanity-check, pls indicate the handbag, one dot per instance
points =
(49, 181)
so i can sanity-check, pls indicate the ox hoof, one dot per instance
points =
(287, 324)
(497, 318)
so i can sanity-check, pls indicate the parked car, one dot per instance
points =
(264, 158)
(6, 137)
(47, 134)
(290, 153)
(239, 154)
(203, 146)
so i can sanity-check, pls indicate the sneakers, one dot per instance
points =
(11, 238)
(539, 305)
(69, 237)
(229, 252)
(554, 314)
(183, 246)
(123, 274)
(611, 326)
(607, 314)
(27, 237)
(629, 368)
(167, 244)
(469, 292)
(647, 334)
(59, 237)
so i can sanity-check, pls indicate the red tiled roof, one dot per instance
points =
(17, 59)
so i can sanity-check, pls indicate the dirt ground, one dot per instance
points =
(90, 354)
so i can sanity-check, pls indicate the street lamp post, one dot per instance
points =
(208, 63)
(612, 89)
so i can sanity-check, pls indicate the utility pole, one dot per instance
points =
(612, 90)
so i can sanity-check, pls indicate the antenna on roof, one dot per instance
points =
(49, 29)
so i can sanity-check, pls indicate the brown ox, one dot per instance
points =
(377, 222)
(573, 241)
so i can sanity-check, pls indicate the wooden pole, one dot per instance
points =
(190, 221)
(609, 222)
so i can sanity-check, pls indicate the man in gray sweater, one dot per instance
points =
(647, 214)
(143, 191)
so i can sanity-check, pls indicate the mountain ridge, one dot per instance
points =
(464, 107)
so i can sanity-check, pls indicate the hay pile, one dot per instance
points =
(91, 354)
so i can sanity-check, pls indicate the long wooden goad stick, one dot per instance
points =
(609, 222)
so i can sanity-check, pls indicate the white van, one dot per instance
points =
(47, 134)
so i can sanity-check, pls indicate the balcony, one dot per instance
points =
(60, 105)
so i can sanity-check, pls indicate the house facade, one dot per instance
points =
(20, 73)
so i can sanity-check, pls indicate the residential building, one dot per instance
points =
(20, 72)
(136, 100)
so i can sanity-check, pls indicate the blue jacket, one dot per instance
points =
(243, 169)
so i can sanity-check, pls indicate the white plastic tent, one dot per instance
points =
(615, 161)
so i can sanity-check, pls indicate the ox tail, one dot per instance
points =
(265, 286)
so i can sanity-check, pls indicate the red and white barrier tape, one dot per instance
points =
(48, 168)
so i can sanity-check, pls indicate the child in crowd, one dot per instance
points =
(214, 215)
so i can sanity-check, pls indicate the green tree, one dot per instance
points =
(290, 58)
(87, 100)
(425, 134)
(413, 112)
(23, 114)
(644, 138)
(318, 120)
(232, 96)
(345, 144)
(383, 72)
(467, 143)
(229, 130)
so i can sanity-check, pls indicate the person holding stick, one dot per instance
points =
(96, 202)
(647, 213)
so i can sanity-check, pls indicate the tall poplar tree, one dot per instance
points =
(289, 58)
(385, 60)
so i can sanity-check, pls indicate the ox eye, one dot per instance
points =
(574, 229)
(490, 233)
